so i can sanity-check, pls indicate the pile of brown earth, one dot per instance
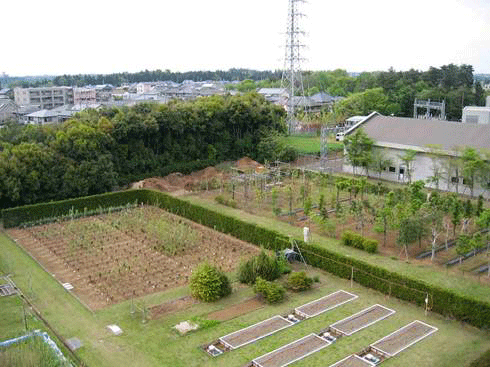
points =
(178, 182)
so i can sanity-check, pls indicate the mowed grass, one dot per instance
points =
(156, 343)
(452, 280)
(310, 144)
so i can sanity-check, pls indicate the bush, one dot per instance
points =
(209, 284)
(370, 245)
(272, 292)
(355, 240)
(220, 199)
(263, 266)
(299, 281)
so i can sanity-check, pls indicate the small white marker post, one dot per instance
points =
(426, 304)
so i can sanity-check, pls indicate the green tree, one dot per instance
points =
(358, 147)
(408, 159)
(472, 164)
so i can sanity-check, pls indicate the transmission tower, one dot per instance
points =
(292, 77)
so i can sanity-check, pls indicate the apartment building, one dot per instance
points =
(46, 97)
(84, 96)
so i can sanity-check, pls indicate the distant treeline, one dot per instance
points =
(118, 79)
(99, 150)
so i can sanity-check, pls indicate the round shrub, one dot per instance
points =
(209, 284)
(371, 245)
(299, 281)
(264, 266)
(272, 292)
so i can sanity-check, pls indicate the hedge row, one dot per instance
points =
(359, 242)
(442, 301)
(14, 217)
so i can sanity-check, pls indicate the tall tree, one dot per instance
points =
(359, 149)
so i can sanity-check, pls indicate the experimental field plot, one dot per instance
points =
(388, 346)
(126, 254)
(255, 332)
(324, 304)
(353, 361)
(361, 320)
(314, 342)
(292, 352)
(270, 326)
(403, 338)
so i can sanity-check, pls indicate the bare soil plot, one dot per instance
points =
(172, 306)
(292, 352)
(255, 332)
(403, 338)
(353, 361)
(326, 303)
(117, 256)
(236, 310)
(362, 319)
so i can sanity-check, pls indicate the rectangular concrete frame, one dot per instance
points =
(434, 329)
(353, 361)
(257, 325)
(277, 351)
(306, 315)
(333, 326)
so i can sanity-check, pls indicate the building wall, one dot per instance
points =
(423, 168)
(476, 115)
(84, 96)
(45, 98)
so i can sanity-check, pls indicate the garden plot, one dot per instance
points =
(292, 352)
(403, 338)
(255, 332)
(361, 320)
(117, 256)
(388, 346)
(353, 361)
(325, 304)
(312, 343)
(274, 324)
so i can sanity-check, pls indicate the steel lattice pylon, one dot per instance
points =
(292, 78)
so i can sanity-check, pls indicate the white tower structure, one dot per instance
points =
(292, 78)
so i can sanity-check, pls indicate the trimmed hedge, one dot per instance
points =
(442, 301)
(355, 240)
(14, 217)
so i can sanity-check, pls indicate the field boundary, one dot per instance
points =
(447, 302)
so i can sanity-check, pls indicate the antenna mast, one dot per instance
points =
(292, 77)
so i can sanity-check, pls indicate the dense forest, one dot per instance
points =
(98, 151)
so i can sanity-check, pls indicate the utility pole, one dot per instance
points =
(292, 78)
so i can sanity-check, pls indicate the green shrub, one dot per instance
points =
(220, 199)
(370, 245)
(348, 238)
(299, 281)
(272, 292)
(208, 283)
(355, 240)
(262, 265)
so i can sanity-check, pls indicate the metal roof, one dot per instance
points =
(418, 134)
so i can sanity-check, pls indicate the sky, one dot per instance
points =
(54, 37)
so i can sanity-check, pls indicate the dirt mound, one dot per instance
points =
(177, 181)
(247, 162)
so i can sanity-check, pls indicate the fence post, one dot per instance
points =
(352, 278)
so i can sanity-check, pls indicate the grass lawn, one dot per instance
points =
(156, 343)
(310, 144)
